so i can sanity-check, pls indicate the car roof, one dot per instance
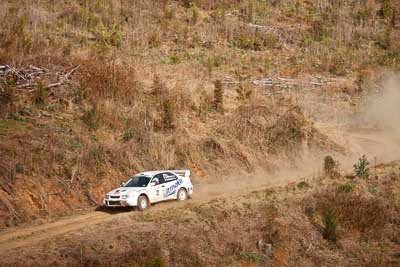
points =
(152, 173)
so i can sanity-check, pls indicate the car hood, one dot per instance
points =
(125, 190)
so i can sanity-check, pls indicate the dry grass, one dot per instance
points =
(224, 232)
(143, 95)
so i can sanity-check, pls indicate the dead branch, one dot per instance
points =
(74, 173)
(27, 77)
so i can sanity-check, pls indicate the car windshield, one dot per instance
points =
(138, 181)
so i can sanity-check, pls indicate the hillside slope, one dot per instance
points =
(94, 91)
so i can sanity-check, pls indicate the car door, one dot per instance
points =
(156, 191)
(169, 190)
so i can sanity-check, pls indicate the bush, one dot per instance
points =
(109, 35)
(7, 97)
(330, 167)
(41, 93)
(129, 134)
(361, 167)
(330, 225)
(303, 184)
(386, 10)
(345, 188)
(156, 262)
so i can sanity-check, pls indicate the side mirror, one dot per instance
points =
(153, 183)
(123, 184)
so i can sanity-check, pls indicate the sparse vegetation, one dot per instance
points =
(345, 188)
(244, 91)
(218, 96)
(361, 167)
(91, 118)
(330, 225)
(166, 84)
(40, 96)
(168, 115)
(330, 167)
(156, 262)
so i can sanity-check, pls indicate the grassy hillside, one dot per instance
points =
(167, 84)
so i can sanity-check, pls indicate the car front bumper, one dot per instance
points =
(117, 203)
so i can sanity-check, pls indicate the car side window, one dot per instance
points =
(169, 177)
(160, 178)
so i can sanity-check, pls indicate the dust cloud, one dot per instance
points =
(383, 110)
(377, 132)
(374, 130)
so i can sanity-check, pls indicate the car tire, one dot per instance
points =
(143, 203)
(182, 194)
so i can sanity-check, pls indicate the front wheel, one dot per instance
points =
(143, 203)
(182, 194)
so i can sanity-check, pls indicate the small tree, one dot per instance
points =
(218, 96)
(361, 167)
(330, 225)
(41, 93)
(330, 167)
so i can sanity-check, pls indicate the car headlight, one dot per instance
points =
(124, 196)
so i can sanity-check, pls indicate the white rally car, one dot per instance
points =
(150, 187)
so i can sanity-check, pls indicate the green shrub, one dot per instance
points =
(386, 10)
(7, 97)
(362, 15)
(249, 256)
(129, 134)
(330, 167)
(345, 188)
(109, 35)
(372, 189)
(253, 41)
(302, 185)
(195, 16)
(41, 93)
(361, 167)
(156, 262)
(212, 61)
(330, 225)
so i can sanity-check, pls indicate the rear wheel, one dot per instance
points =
(182, 194)
(143, 203)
